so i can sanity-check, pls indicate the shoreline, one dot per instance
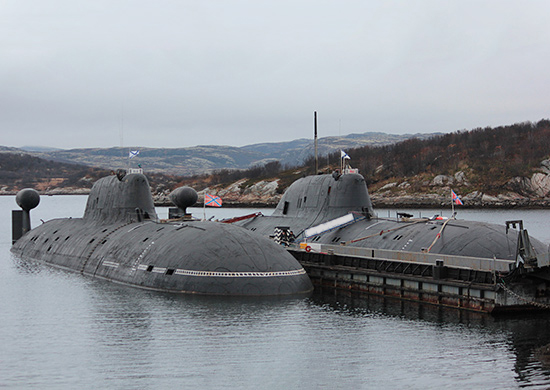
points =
(532, 205)
(419, 202)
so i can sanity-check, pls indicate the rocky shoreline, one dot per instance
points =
(429, 202)
(424, 201)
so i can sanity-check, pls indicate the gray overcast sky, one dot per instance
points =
(182, 73)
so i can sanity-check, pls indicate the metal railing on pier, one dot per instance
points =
(474, 263)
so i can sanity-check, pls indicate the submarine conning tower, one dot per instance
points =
(120, 198)
(326, 196)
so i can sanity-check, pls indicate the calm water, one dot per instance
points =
(60, 330)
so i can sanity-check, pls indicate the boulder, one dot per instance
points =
(387, 186)
(474, 196)
(540, 184)
(261, 192)
(520, 185)
(262, 189)
(442, 180)
(489, 199)
(545, 166)
(231, 192)
(460, 178)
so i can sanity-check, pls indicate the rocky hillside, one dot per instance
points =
(418, 192)
(520, 191)
(20, 170)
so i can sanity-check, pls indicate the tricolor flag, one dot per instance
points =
(344, 155)
(212, 200)
(133, 153)
(456, 199)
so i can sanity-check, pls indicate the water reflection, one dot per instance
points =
(370, 304)
(27, 266)
(156, 337)
(526, 337)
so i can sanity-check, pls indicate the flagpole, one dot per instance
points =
(204, 208)
(315, 140)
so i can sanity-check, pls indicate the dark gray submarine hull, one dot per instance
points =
(119, 239)
(315, 200)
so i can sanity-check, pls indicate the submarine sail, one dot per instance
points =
(121, 239)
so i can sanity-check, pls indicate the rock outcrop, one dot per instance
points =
(538, 185)
(442, 180)
(526, 192)
(260, 194)
(263, 193)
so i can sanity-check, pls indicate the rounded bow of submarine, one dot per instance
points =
(27, 199)
(219, 259)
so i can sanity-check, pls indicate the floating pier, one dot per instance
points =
(478, 284)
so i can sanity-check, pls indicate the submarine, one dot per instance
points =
(328, 223)
(121, 239)
(336, 209)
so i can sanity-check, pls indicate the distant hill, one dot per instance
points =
(7, 149)
(39, 149)
(207, 158)
(19, 170)
(297, 151)
(46, 168)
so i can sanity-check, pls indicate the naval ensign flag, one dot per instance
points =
(456, 199)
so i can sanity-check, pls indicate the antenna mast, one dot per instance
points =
(315, 141)
(121, 126)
